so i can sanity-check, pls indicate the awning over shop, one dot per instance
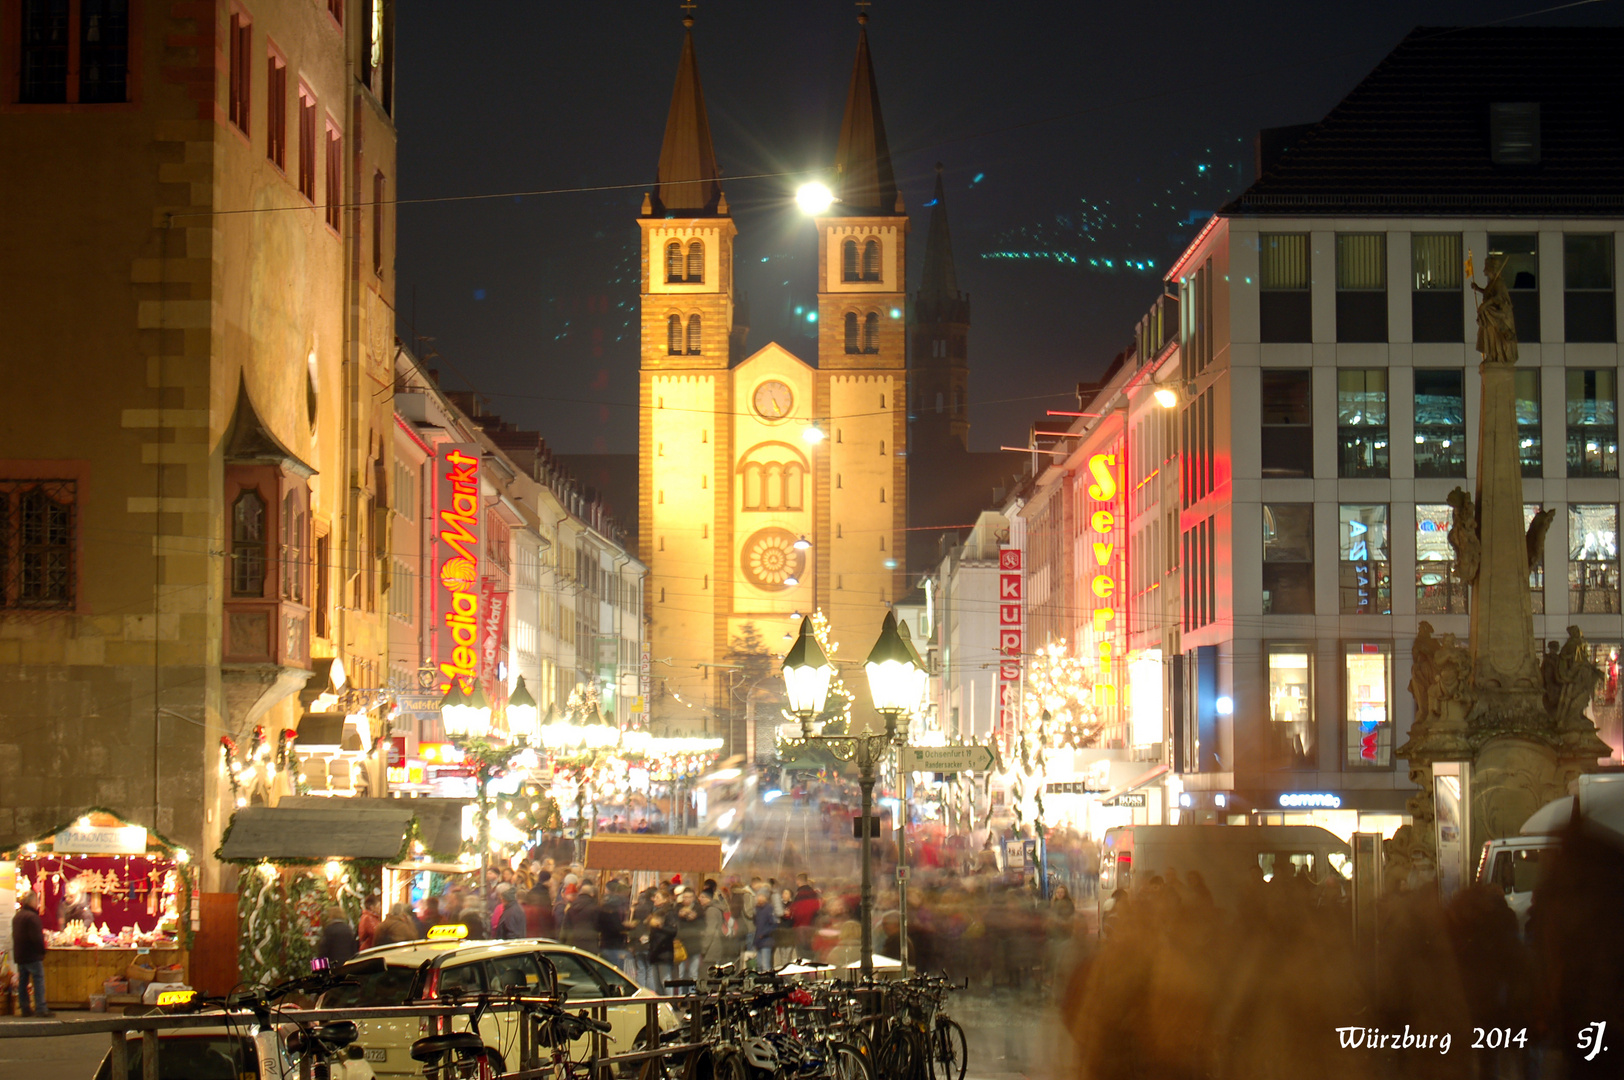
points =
(1136, 783)
(439, 821)
(660, 854)
(335, 829)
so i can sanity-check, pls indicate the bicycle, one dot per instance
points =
(463, 1055)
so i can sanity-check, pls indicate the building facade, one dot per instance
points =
(767, 486)
(205, 529)
(559, 595)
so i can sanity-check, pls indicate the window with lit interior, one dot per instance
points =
(1291, 741)
(1592, 421)
(1361, 423)
(1437, 590)
(1440, 423)
(1364, 573)
(1367, 694)
(1593, 558)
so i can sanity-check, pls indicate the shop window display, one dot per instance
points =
(1291, 706)
(1367, 693)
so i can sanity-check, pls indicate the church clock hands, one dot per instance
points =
(773, 400)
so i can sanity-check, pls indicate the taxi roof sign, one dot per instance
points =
(447, 932)
(176, 997)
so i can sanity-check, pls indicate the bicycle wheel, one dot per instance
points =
(729, 1065)
(950, 1052)
(896, 1057)
(846, 1062)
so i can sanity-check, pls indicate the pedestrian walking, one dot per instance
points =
(662, 939)
(581, 920)
(614, 915)
(510, 920)
(338, 942)
(766, 930)
(803, 914)
(367, 930)
(28, 953)
(399, 926)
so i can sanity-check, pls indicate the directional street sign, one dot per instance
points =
(947, 759)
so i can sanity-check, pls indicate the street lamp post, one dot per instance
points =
(467, 719)
(891, 674)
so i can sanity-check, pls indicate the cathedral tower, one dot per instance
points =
(862, 364)
(744, 520)
(939, 365)
(686, 394)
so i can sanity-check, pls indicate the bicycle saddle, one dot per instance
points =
(432, 1047)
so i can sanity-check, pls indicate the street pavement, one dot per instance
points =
(66, 1057)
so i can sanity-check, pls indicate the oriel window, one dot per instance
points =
(248, 545)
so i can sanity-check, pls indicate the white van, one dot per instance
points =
(1228, 857)
(1513, 863)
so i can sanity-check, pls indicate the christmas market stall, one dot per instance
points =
(118, 904)
(297, 859)
(652, 858)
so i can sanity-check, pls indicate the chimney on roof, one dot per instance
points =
(1271, 143)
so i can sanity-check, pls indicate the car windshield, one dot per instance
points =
(193, 1057)
(388, 986)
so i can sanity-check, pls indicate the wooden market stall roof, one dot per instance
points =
(661, 854)
(338, 830)
(439, 821)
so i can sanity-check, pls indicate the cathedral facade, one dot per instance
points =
(767, 487)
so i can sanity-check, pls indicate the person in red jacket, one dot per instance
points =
(28, 952)
(803, 912)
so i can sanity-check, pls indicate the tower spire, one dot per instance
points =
(865, 183)
(687, 182)
(940, 284)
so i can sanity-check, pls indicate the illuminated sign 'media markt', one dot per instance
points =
(458, 544)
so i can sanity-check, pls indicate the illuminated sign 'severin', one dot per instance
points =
(1105, 564)
(458, 518)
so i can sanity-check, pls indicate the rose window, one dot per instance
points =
(770, 559)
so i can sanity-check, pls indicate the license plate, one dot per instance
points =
(377, 1054)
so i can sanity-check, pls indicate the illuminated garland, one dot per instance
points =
(1059, 699)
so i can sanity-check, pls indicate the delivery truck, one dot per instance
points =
(1229, 858)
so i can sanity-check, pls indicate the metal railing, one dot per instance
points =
(146, 1028)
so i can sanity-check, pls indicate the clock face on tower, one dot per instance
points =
(773, 400)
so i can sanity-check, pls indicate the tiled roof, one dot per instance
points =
(1414, 137)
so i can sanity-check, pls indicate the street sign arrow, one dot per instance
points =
(947, 759)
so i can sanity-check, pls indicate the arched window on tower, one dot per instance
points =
(673, 334)
(871, 332)
(752, 486)
(693, 335)
(696, 261)
(792, 486)
(772, 495)
(852, 344)
(871, 261)
(848, 261)
(673, 261)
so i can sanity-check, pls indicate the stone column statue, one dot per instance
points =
(1519, 721)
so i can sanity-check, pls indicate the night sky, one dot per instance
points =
(1083, 145)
